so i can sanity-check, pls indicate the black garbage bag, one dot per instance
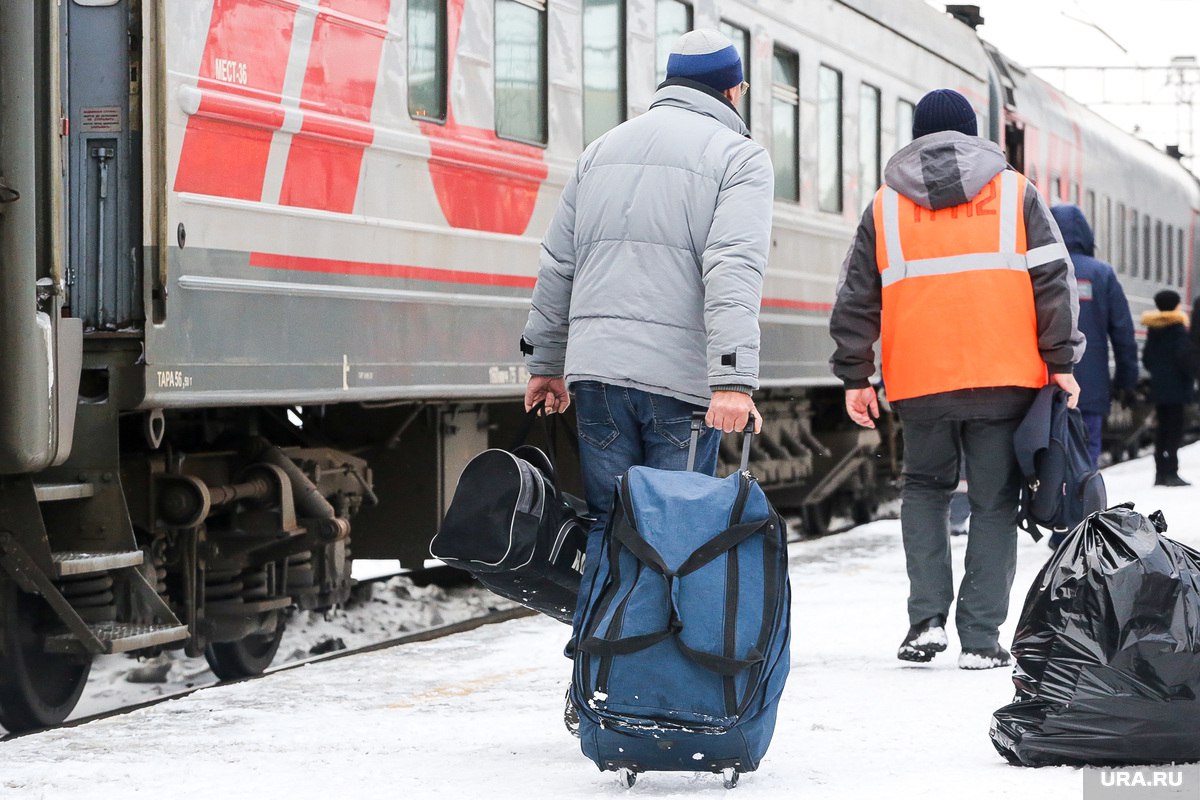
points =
(1108, 651)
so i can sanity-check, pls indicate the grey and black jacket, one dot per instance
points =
(651, 271)
(939, 171)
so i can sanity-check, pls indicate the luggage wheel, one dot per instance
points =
(730, 776)
(626, 777)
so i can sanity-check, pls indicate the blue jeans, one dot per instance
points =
(620, 428)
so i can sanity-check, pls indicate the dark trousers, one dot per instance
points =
(1095, 429)
(1168, 438)
(931, 469)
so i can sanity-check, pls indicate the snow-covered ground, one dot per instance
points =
(394, 607)
(480, 714)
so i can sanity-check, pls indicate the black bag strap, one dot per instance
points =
(550, 424)
(722, 665)
(531, 418)
(723, 542)
(694, 441)
(626, 534)
(1024, 514)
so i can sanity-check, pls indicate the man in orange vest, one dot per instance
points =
(959, 267)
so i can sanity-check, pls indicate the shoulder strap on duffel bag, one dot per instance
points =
(623, 532)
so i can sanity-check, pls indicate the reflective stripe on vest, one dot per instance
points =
(958, 308)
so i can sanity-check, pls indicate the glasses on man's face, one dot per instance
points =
(745, 87)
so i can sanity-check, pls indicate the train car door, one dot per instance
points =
(102, 42)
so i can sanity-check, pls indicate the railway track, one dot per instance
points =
(428, 634)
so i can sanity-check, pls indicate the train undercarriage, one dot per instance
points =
(198, 529)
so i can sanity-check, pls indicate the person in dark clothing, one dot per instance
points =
(1167, 357)
(1196, 338)
(974, 313)
(1103, 316)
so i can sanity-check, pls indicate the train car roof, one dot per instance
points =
(1035, 99)
(925, 26)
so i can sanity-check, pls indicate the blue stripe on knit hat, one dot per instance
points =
(708, 57)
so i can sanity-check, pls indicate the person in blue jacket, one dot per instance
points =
(1103, 315)
(1167, 357)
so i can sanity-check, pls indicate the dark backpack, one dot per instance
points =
(1060, 486)
(514, 530)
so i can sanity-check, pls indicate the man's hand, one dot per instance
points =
(552, 390)
(862, 406)
(729, 412)
(1066, 381)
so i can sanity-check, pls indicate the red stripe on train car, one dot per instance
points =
(228, 138)
(380, 270)
(325, 159)
(798, 305)
(482, 182)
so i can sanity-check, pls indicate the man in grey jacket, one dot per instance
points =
(650, 278)
(961, 271)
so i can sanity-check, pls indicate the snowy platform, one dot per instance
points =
(480, 714)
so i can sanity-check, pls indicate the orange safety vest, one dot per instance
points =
(958, 308)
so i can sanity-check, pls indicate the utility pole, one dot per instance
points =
(1181, 74)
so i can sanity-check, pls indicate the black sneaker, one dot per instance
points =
(924, 640)
(571, 716)
(988, 658)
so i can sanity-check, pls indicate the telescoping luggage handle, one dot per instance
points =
(698, 425)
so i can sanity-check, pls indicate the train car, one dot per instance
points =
(1140, 202)
(264, 265)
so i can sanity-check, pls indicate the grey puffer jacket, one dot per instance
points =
(651, 271)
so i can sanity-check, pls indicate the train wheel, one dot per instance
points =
(817, 517)
(866, 505)
(245, 657)
(37, 689)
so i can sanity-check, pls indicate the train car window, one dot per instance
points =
(829, 139)
(1074, 193)
(1055, 189)
(603, 66)
(1122, 227)
(1147, 248)
(741, 40)
(427, 59)
(1106, 221)
(1089, 208)
(1135, 254)
(869, 147)
(1169, 260)
(904, 119)
(1158, 251)
(521, 70)
(785, 123)
(673, 18)
(1180, 260)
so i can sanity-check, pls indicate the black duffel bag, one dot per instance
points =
(515, 530)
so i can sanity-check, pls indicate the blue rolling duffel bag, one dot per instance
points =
(682, 649)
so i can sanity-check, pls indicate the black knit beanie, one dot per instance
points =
(944, 110)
